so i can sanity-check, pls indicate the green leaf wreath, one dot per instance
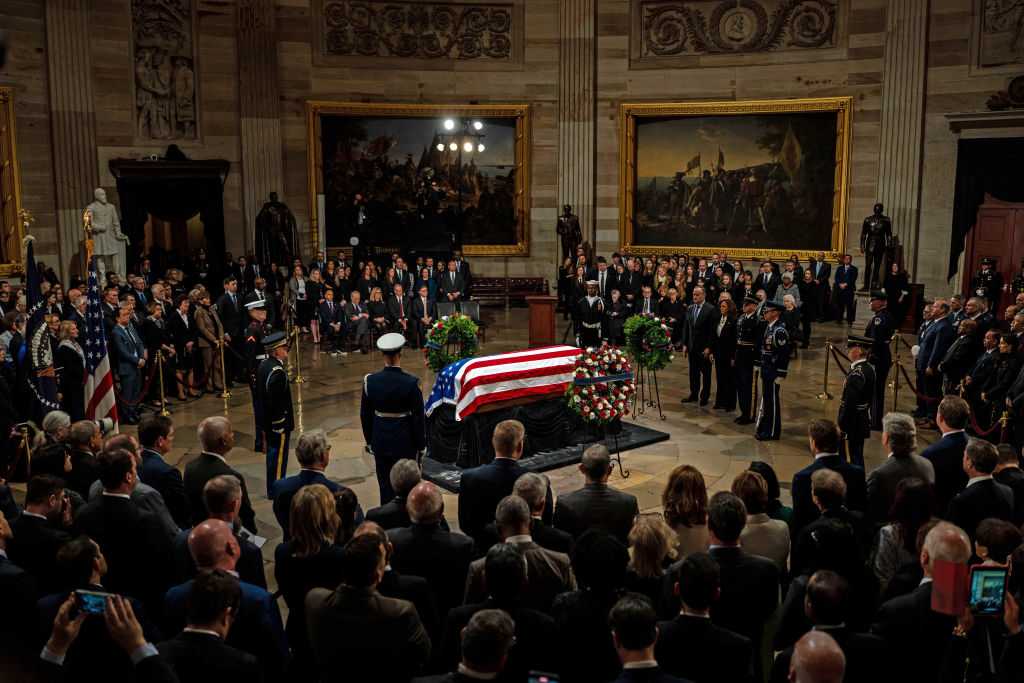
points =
(601, 387)
(450, 339)
(649, 342)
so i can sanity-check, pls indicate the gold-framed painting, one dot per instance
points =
(12, 219)
(420, 176)
(756, 178)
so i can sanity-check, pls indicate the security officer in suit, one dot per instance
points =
(275, 396)
(880, 330)
(987, 282)
(747, 328)
(392, 413)
(774, 356)
(855, 406)
(589, 316)
(254, 355)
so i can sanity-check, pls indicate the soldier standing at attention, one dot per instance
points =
(392, 413)
(275, 396)
(590, 315)
(774, 365)
(254, 355)
(879, 330)
(987, 282)
(855, 410)
(746, 351)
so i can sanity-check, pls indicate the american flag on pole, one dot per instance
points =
(100, 401)
(471, 383)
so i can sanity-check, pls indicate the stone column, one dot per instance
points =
(902, 125)
(577, 149)
(73, 125)
(262, 167)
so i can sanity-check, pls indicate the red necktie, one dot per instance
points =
(401, 309)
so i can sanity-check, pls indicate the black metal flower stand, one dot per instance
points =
(647, 393)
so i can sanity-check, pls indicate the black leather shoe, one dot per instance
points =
(689, 399)
(704, 403)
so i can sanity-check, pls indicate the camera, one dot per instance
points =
(105, 425)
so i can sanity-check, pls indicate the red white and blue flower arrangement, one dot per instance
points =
(602, 385)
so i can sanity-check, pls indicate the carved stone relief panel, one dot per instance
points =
(442, 32)
(999, 33)
(681, 28)
(163, 47)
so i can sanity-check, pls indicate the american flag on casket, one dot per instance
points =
(471, 383)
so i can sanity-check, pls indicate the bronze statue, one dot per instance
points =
(277, 240)
(568, 229)
(875, 240)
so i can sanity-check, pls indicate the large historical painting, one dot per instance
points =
(1000, 33)
(163, 48)
(423, 176)
(747, 177)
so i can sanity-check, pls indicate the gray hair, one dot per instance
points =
(533, 488)
(947, 542)
(902, 432)
(596, 461)
(786, 275)
(213, 432)
(405, 474)
(512, 513)
(311, 448)
(55, 421)
(789, 298)
(82, 432)
(487, 638)
(424, 503)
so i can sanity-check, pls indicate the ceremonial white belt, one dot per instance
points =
(392, 415)
(262, 357)
(592, 326)
(744, 343)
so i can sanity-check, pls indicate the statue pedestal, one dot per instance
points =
(542, 319)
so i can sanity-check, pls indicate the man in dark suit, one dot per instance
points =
(947, 454)
(532, 488)
(84, 441)
(132, 539)
(824, 441)
(634, 625)
(394, 514)
(398, 307)
(451, 286)
(314, 454)
(749, 583)
(229, 308)
(647, 302)
(698, 339)
(257, 628)
(899, 437)
(768, 280)
(200, 651)
(482, 487)
(935, 342)
(40, 530)
(156, 436)
(319, 263)
(384, 638)
(1009, 473)
(828, 491)
(18, 596)
(332, 323)
(723, 654)
(131, 355)
(425, 549)
(596, 505)
(822, 270)
(844, 292)
(486, 648)
(984, 497)
(423, 311)
(216, 439)
(920, 640)
(222, 498)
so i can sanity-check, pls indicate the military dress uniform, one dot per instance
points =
(747, 327)
(392, 417)
(278, 420)
(589, 317)
(987, 284)
(774, 360)
(855, 406)
(880, 330)
(254, 355)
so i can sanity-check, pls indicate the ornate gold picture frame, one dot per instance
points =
(518, 115)
(12, 229)
(770, 191)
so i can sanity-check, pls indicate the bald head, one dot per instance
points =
(213, 545)
(424, 503)
(817, 659)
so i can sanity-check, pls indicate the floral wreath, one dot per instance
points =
(450, 339)
(602, 385)
(648, 342)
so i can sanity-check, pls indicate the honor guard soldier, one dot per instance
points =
(275, 396)
(879, 330)
(392, 413)
(590, 316)
(774, 357)
(747, 328)
(254, 355)
(855, 407)
(987, 282)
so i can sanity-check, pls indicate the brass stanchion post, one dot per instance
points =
(23, 430)
(824, 395)
(223, 371)
(299, 379)
(160, 371)
(896, 372)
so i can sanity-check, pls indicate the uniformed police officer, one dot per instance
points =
(775, 352)
(275, 395)
(880, 330)
(987, 282)
(858, 394)
(392, 413)
(254, 355)
(589, 316)
(747, 328)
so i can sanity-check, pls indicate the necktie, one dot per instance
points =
(401, 309)
(602, 283)
(233, 302)
(453, 277)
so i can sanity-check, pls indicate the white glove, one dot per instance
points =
(914, 350)
(778, 380)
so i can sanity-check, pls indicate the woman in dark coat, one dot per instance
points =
(897, 287)
(618, 311)
(157, 337)
(70, 359)
(184, 336)
(809, 301)
(725, 356)
(1007, 367)
(672, 311)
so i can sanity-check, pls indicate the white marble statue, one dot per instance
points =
(109, 242)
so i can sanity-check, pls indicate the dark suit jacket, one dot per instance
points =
(480, 491)
(696, 648)
(394, 314)
(947, 457)
(865, 657)
(416, 590)
(979, 501)
(231, 314)
(446, 287)
(128, 348)
(361, 635)
(332, 313)
(596, 506)
(545, 536)
(166, 479)
(918, 640)
(1013, 477)
(847, 276)
(883, 480)
(285, 489)
(535, 639)
(34, 549)
(804, 509)
(205, 658)
(935, 341)
(18, 597)
(768, 287)
(653, 674)
(699, 328)
(418, 311)
(249, 567)
(441, 557)
(750, 592)
(203, 469)
(547, 574)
